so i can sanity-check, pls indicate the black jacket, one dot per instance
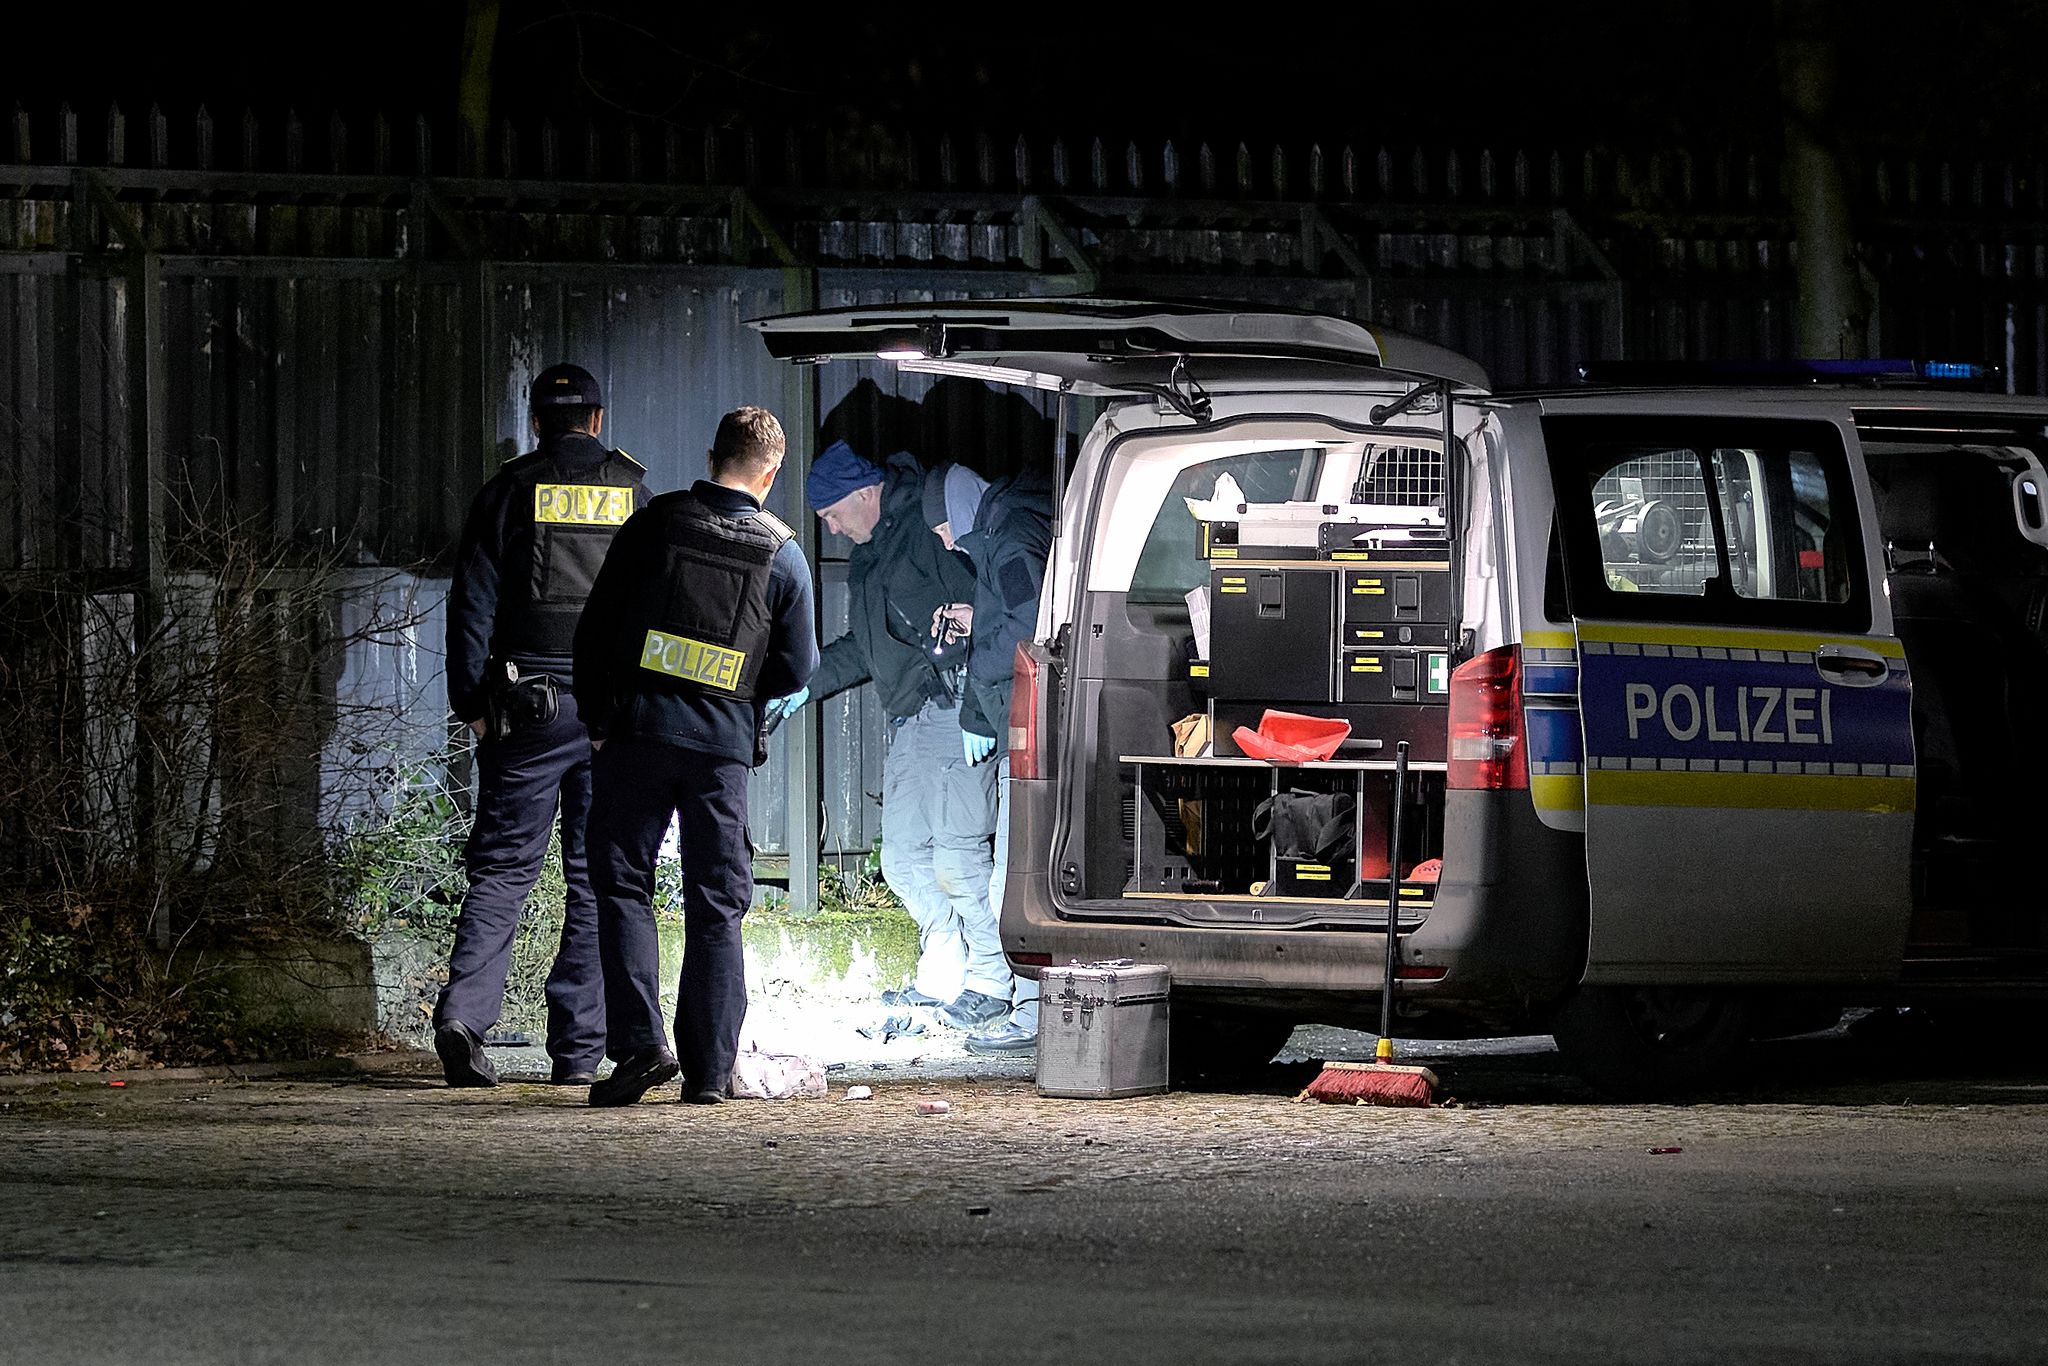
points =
(1011, 539)
(607, 697)
(894, 584)
(481, 571)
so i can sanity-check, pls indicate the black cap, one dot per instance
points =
(564, 386)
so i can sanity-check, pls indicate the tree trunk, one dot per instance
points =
(1834, 312)
(473, 102)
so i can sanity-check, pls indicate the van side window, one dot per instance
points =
(1779, 512)
(1709, 520)
(1656, 536)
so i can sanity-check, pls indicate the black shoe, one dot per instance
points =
(461, 1050)
(566, 1075)
(909, 996)
(1007, 1040)
(973, 1010)
(705, 1096)
(633, 1078)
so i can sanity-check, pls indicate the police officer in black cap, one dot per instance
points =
(703, 612)
(530, 552)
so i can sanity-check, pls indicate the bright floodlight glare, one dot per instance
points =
(900, 353)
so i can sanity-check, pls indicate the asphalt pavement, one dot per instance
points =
(1851, 1205)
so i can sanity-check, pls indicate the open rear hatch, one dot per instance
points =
(1100, 348)
(1154, 840)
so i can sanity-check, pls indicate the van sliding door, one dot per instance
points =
(1748, 739)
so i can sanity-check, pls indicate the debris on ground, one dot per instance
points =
(860, 1093)
(893, 1026)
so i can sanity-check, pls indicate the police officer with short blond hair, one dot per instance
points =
(529, 555)
(702, 613)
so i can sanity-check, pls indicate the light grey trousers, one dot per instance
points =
(1025, 1016)
(938, 814)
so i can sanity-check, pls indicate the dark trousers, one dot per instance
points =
(639, 786)
(523, 779)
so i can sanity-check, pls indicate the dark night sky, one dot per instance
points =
(1608, 72)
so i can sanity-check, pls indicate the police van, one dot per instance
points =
(1723, 702)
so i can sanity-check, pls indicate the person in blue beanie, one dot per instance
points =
(937, 807)
(1005, 529)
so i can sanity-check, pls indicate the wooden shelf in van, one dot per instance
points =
(1238, 761)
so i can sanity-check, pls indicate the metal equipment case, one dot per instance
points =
(1102, 1030)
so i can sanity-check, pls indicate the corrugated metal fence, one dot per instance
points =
(323, 336)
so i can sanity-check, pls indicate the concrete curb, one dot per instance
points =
(401, 1062)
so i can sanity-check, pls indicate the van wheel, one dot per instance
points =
(1652, 1043)
(1217, 1043)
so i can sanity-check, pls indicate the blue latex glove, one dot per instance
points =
(779, 708)
(976, 747)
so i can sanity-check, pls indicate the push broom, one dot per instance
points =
(1382, 1081)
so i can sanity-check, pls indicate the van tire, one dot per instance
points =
(1653, 1043)
(1217, 1043)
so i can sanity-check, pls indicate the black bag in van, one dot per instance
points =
(1305, 825)
(1312, 841)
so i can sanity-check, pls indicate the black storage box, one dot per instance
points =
(1395, 675)
(1310, 878)
(1272, 633)
(1406, 593)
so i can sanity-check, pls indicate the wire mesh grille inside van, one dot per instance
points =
(1671, 478)
(1404, 476)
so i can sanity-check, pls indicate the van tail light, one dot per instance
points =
(1487, 752)
(1024, 713)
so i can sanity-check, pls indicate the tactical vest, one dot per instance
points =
(702, 623)
(558, 526)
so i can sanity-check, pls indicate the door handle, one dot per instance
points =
(1851, 665)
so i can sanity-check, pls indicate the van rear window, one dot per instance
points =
(1171, 563)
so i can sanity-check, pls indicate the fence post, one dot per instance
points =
(147, 476)
(145, 363)
(801, 752)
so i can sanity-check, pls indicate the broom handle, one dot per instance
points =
(1386, 1044)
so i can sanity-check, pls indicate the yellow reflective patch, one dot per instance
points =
(698, 661)
(582, 504)
(1730, 638)
(1750, 791)
(1557, 791)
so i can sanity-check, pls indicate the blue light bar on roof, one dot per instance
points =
(1954, 369)
(1772, 373)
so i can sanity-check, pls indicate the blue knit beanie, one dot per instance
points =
(835, 473)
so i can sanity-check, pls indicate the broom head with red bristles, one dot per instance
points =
(1371, 1083)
